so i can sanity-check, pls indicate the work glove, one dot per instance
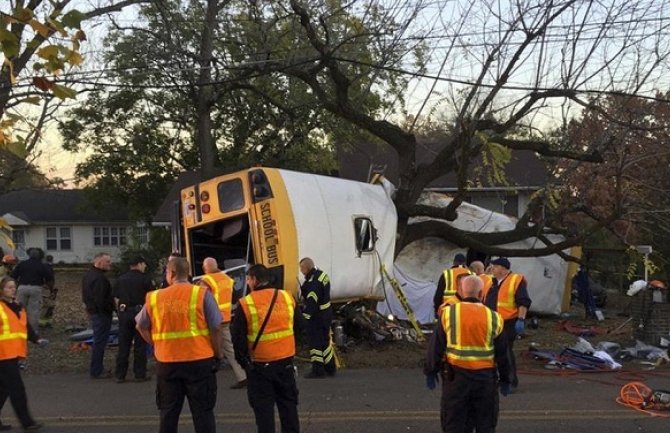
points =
(505, 389)
(42, 342)
(520, 326)
(431, 381)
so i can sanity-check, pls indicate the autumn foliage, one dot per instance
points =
(629, 190)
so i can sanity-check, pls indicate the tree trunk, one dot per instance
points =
(208, 153)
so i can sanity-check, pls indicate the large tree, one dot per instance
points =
(503, 70)
(507, 75)
(182, 97)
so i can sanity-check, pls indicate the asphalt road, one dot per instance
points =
(356, 401)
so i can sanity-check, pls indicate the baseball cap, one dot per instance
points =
(502, 261)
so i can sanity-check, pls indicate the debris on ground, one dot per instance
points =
(362, 323)
(646, 351)
(639, 396)
(580, 330)
(604, 356)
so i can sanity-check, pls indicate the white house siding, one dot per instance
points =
(82, 248)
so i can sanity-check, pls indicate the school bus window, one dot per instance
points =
(231, 196)
(365, 235)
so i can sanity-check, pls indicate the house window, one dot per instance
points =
(19, 238)
(59, 238)
(109, 236)
(141, 235)
(365, 235)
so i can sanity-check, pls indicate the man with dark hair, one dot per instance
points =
(129, 293)
(509, 297)
(96, 292)
(31, 275)
(265, 345)
(447, 286)
(183, 323)
(318, 315)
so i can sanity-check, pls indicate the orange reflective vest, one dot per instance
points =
(221, 287)
(470, 329)
(453, 300)
(178, 325)
(276, 341)
(506, 305)
(451, 280)
(488, 282)
(13, 333)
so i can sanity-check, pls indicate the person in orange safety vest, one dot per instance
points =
(447, 286)
(183, 322)
(265, 345)
(221, 286)
(478, 269)
(15, 331)
(465, 349)
(509, 297)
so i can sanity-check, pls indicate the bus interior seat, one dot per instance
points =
(233, 228)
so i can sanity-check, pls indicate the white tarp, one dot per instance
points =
(420, 264)
(419, 294)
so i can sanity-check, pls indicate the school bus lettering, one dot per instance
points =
(269, 234)
(273, 259)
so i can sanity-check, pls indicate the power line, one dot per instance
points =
(397, 70)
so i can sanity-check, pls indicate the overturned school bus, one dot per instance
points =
(276, 217)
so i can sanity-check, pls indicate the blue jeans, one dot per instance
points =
(101, 324)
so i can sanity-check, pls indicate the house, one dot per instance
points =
(66, 225)
(525, 173)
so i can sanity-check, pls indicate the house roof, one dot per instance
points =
(16, 218)
(525, 169)
(58, 205)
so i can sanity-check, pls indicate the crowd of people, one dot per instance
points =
(191, 328)
(480, 312)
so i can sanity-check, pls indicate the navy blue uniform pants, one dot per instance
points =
(320, 350)
(101, 324)
(128, 336)
(195, 381)
(468, 404)
(270, 384)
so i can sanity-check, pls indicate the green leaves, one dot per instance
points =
(73, 19)
(9, 43)
(48, 52)
(63, 92)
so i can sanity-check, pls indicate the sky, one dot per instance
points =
(460, 36)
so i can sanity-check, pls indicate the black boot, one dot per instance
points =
(317, 372)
